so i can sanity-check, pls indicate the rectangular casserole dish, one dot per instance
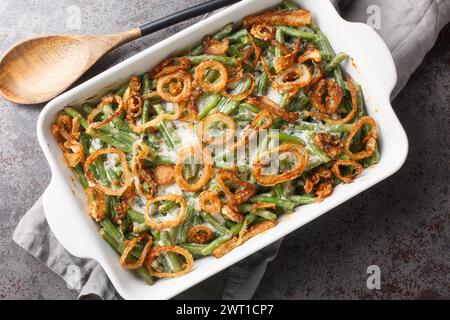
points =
(372, 66)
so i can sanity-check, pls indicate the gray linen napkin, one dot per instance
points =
(410, 29)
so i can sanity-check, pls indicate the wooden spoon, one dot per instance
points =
(38, 69)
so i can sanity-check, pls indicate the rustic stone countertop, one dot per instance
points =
(401, 225)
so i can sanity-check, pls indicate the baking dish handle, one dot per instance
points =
(376, 51)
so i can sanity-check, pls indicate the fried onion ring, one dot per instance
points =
(168, 223)
(180, 76)
(200, 72)
(215, 47)
(333, 99)
(320, 182)
(237, 241)
(292, 18)
(209, 202)
(232, 213)
(96, 203)
(329, 143)
(347, 178)
(267, 104)
(263, 32)
(129, 245)
(123, 163)
(166, 67)
(206, 160)
(200, 234)
(99, 109)
(288, 58)
(241, 96)
(271, 180)
(141, 152)
(293, 78)
(73, 153)
(203, 129)
(239, 196)
(175, 249)
(161, 117)
(310, 54)
(370, 140)
(165, 174)
(350, 115)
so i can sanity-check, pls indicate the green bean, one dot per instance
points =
(171, 257)
(214, 223)
(315, 127)
(114, 232)
(141, 271)
(74, 114)
(167, 206)
(145, 90)
(212, 103)
(335, 62)
(136, 216)
(109, 139)
(250, 107)
(188, 221)
(289, 5)
(262, 84)
(326, 50)
(123, 88)
(282, 203)
(170, 139)
(230, 61)
(301, 200)
(80, 173)
(292, 32)
(238, 35)
(301, 140)
(266, 214)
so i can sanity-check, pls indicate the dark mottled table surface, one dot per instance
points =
(401, 225)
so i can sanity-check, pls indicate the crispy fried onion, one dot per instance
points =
(320, 182)
(165, 175)
(191, 114)
(288, 58)
(247, 235)
(200, 73)
(195, 153)
(99, 109)
(232, 213)
(267, 104)
(130, 245)
(330, 144)
(261, 205)
(209, 201)
(293, 78)
(124, 204)
(273, 179)
(187, 266)
(73, 153)
(180, 79)
(178, 111)
(171, 65)
(263, 120)
(200, 234)
(215, 47)
(263, 32)
(134, 102)
(370, 140)
(293, 18)
(333, 99)
(212, 119)
(123, 162)
(96, 203)
(149, 221)
(244, 189)
(244, 94)
(356, 166)
(66, 128)
(141, 151)
(312, 54)
(349, 116)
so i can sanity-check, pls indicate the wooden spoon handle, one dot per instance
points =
(186, 14)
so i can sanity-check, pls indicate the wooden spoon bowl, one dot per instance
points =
(38, 69)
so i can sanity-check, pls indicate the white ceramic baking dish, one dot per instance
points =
(64, 202)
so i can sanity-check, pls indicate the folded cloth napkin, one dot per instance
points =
(410, 29)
